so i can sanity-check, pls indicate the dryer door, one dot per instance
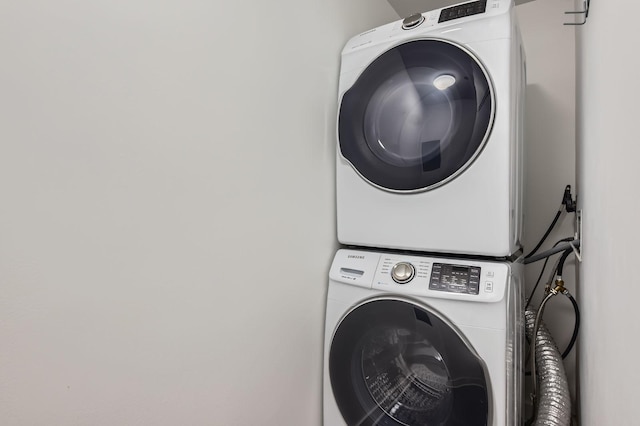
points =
(395, 363)
(417, 116)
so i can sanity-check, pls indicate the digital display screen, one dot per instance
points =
(455, 278)
(460, 269)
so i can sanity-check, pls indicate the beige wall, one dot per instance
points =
(608, 176)
(550, 149)
(167, 218)
(167, 214)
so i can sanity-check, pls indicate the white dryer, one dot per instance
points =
(430, 133)
(422, 341)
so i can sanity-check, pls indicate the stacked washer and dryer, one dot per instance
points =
(424, 321)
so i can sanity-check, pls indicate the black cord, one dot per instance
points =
(542, 272)
(544, 265)
(562, 260)
(576, 326)
(536, 258)
(574, 335)
(567, 204)
(546, 234)
(558, 271)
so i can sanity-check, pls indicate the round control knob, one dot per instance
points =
(412, 21)
(403, 272)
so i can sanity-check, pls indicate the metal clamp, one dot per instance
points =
(576, 252)
(585, 12)
(578, 236)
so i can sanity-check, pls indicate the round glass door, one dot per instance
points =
(395, 363)
(417, 116)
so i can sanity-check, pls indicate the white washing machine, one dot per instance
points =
(430, 133)
(422, 341)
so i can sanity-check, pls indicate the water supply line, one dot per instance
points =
(551, 397)
(570, 245)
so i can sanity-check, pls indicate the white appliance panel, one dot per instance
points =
(477, 211)
(490, 322)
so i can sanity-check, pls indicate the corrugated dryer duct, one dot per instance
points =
(553, 406)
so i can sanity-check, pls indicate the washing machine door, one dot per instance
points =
(417, 116)
(393, 362)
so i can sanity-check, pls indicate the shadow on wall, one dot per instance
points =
(549, 166)
(543, 119)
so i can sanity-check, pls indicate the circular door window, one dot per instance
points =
(396, 363)
(417, 116)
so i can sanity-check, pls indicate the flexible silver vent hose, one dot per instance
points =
(553, 402)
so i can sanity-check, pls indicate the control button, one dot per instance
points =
(488, 287)
(410, 22)
(462, 10)
(490, 274)
(403, 272)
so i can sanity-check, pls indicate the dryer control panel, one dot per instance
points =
(462, 10)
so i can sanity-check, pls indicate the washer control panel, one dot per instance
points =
(455, 278)
(438, 277)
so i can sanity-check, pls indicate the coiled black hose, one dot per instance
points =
(562, 260)
(576, 325)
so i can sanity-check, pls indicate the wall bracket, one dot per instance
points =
(578, 236)
(584, 12)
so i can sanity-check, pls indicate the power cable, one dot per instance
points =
(568, 204)
(542, 272)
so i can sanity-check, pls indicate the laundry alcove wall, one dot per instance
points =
(167, 221)
(550, 145)
(168, 218)
(608, 173)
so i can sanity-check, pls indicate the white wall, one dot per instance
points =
(167, 215)
(549, 149)
(608, 176)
